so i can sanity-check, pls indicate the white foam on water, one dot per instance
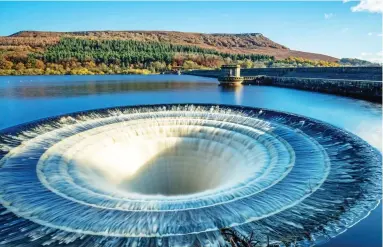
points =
(176, 175)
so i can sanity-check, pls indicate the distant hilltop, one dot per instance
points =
(244, 43)
(145, 52)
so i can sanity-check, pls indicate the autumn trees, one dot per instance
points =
(5, 64)
(302, 62)
(101, 56)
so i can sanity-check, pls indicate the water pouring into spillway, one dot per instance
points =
(175, 175)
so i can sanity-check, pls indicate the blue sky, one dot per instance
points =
(329, 27)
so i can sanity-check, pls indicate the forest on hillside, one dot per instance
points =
(87, 56)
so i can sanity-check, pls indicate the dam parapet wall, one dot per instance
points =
(350, 73)
(357, 82)
(360, 89)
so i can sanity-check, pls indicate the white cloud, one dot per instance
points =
(375, 34)
(372, 57)
(365, 54)
(345, 30)
(376, 60)
(374, 6)
(328, 15)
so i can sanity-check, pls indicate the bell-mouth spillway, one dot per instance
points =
(172, 175)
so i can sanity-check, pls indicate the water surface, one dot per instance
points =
(27, 98)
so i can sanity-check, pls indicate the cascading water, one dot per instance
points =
(175, 175)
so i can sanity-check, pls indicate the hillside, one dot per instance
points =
(247, 43)
(127, 52)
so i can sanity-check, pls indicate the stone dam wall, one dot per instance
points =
(357, 82)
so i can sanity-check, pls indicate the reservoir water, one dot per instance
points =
(27, 98)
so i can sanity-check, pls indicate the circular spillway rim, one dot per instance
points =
(343, 132)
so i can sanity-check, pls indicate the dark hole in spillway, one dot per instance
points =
(172, 175)
(179, 172)
(168, 160)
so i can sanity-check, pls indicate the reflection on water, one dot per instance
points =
(24, 88)
(237, 90)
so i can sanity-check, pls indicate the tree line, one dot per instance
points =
(87, 56)
(131, 52)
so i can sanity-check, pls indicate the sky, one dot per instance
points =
(336, 28)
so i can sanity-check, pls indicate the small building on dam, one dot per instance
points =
(357, 82)
(230, 75)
